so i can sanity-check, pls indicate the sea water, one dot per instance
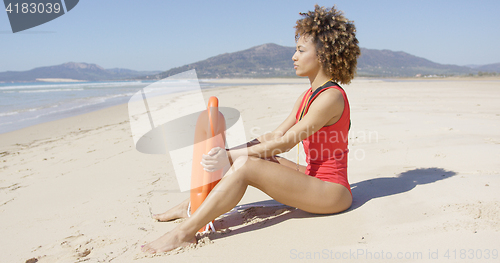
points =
(27, 104)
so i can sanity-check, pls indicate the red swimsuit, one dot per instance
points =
(326, 150)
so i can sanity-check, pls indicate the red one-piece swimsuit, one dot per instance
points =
(326, 150)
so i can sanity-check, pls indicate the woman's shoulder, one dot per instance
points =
(330, 95)
(330, 102)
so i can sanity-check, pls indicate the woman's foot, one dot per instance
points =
(179, 211)
(169, 241)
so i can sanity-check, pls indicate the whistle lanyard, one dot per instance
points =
(303, 107)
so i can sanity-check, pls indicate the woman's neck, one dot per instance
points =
(318, 80)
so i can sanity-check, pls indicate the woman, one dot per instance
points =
(326, 51)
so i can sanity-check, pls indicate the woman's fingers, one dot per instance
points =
(208, 157)
(214, 151)
(208, 168)
(213, 162)
(214, 159)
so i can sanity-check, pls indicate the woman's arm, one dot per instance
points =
(217, 158)
(286, 136)
(278, 132)
(324, 108)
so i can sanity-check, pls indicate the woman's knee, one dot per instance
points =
(243, 166)
(244, 162)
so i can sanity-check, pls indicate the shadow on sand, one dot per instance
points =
(263, 214)
(384, 186)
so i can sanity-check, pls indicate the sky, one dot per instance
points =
(162, 34)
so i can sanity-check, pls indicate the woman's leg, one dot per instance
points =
(176, 212)
(284, 184)
(180, 210)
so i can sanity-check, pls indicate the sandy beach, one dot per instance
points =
(423, 168)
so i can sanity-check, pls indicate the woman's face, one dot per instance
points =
(305, 60)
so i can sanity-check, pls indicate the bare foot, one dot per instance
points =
(179, 211)
(169, 241)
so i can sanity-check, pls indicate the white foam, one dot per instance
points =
(74, 98)
(8, 113)
(46, 90)
(70, 85)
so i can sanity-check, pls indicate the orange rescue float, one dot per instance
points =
(210, 133)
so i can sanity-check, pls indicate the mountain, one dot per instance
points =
(72, 70)
(268, 60)
(388, 63)
(489, 68)
(271, 60)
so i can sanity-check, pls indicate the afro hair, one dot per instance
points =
(335, 38)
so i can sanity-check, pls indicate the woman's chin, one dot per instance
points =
(297, 72)
(300, 74)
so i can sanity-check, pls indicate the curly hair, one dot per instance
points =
(335, 38)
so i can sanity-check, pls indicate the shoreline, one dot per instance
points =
(95, 107)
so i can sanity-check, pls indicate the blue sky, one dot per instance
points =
(161, 34)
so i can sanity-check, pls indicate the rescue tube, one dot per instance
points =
(209, 133)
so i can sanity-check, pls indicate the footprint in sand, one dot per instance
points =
(72, 248)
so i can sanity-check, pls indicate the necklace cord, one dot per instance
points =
(303, 107)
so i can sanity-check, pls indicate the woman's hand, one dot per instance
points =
(215, 159)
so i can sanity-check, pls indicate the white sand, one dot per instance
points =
(423, 166)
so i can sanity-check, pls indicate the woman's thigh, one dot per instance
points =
(288, 163)
(294, 188)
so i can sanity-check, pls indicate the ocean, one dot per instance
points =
(26, 104)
